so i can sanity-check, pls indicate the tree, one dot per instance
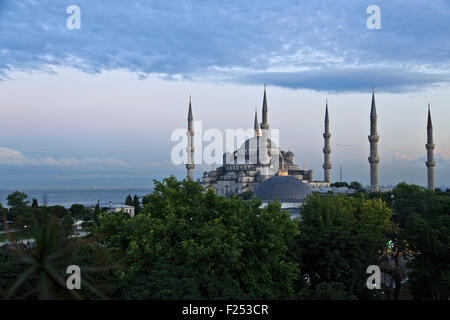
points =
(356, 185)
(145, 200)
(79, 212)
(415, 208)
(17, 200)
(408, 199)
(66, 225)
(129, 200)
(339, 238)
(40, 272)
(97, 212)
(247, 195)
(18, 207)
(35, 203)
(340, 184)
(428, 238)
(11, 269)
(187, 243)
(136, 204)
(3, 213)
(58, 211)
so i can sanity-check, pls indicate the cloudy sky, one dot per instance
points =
(97, 105)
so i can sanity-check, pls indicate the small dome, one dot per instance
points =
(283, 189)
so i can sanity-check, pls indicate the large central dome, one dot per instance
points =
(253, 142)
(283, 189)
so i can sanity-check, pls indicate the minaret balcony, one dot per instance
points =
(374, 159)
(430, 164)
(374, 138)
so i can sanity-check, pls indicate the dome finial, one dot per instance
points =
(282, 172)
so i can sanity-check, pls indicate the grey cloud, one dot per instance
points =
(347, 80)
(277, 39)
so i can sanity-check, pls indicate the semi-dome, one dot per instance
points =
(289, 154)
(283, 189)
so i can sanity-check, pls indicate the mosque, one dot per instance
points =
(255, 166)
(257, 160)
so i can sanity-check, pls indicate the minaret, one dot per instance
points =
(256, 126)
(190, 148)
(430, 156)
(257, 135)
(264, 153)
(326, 149)
(373, 139)
(264, 123)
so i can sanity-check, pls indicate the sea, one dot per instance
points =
(86, 196)
(67, 196)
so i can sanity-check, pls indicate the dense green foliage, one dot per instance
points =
(188, 243)
(11, 269)
(422, 220)
(429, 238)
(18, 205)
(136, 204)
(129, 200)
(80, 212)
(352, 185)
(39, 272)
(339, 238)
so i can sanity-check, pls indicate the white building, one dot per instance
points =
(115, 208)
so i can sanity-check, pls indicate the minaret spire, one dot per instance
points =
(430, 156)
(264, 123)
(190, 148)
(326, 150)
(256, 126)
(190, 118)
(374, 159)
